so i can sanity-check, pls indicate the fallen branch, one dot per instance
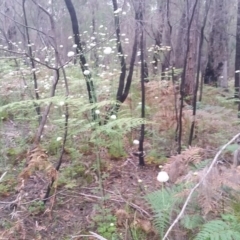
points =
(197, 185)
(2, 176)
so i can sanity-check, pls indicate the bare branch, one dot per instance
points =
(197, 185)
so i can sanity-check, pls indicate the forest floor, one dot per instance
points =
(77, 210)
(84, 205)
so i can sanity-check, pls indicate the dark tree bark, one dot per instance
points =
(194, 104)
(79, 51)
(141, 142)
(217, 54)
(124, 82)
(30, 53)
(237, 55)
(182, 87)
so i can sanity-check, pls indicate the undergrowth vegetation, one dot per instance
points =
(98, 179)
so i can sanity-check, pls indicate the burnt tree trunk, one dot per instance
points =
(217, 53)
(237, 56)
(79, 51)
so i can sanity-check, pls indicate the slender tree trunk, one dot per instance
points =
(218, 47)
(237, 55)
(83, 62)
(30, 53)
(124, 82)
(194, 103)
(182, 87)
(141, 142)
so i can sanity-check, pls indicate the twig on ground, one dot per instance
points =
(115, 200)
(92, 235)
(2, 176)
(197, 185)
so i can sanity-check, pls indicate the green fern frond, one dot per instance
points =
(201, 165)
(192, 221)
(226, 229)
(163, 204)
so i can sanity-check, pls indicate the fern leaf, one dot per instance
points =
(219, 230)
(163, 204)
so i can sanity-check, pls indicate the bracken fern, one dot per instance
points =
(227, 228)
(163, 203)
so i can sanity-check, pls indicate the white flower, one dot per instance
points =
(113, 117)
(97, 111)
(237, 71)
(162, 177)
(124, 13)
(107, 50)
(111, 224)
(136, 142)
(70, 37)
(86, 72)
(74, 45)
(70, 54)
(59, 139)
(139, 180)
(118, 10)
(61, 46)
(61, 103)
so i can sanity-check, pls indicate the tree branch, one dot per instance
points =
(197, 185)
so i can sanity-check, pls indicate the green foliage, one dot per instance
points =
(7, 185)
(106, 224)
(227, 228)
(192, 222)
(53, 147)
(201, 165)
(74, 175)
(164, 204)
(36, 207)
(231, 148)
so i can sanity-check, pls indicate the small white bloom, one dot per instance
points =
(107, 50)
(61, 103)
(118, 10)
(61, 46)
(124, 13)
(37, 59)
(86, 72)
(97, 111)
(139, 180)
(59, 139)
(74, 45)
(136, 142)
(237, 71)
(70, 54)
(111, 224)
(113, 117)
(162, 177)
(70, 37)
